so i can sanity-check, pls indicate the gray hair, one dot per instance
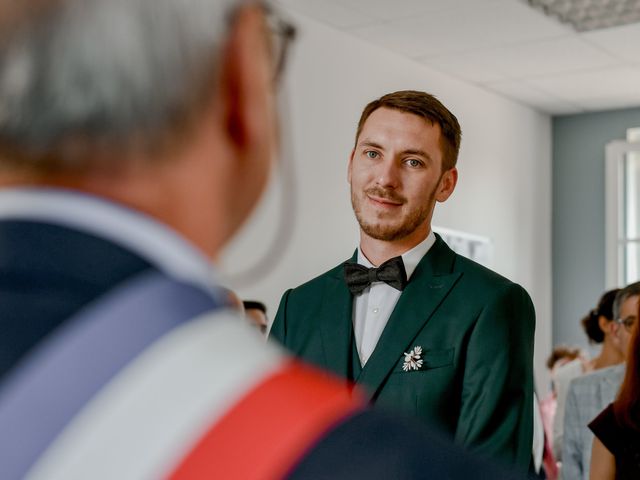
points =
(104, 72)
(630, 290)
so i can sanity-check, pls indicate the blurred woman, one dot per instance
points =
(598, 325)
(616, 447)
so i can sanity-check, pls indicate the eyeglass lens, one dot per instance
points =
(281, 34)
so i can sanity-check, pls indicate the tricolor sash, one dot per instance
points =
(155, 381)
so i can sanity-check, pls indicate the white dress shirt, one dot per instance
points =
(373, 307)
(157, 243)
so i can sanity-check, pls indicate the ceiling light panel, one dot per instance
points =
(585, 15)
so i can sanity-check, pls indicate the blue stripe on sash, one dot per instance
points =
(43, 394)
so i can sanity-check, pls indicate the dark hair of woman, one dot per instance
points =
(591, 323)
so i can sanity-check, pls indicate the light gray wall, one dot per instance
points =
(578, 215)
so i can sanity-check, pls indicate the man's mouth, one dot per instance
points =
(384, 201)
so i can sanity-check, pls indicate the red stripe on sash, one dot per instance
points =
(270, 429)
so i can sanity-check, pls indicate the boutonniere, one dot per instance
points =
(413, 359)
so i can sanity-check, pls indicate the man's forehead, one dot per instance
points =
(398, 124)
(382, 113)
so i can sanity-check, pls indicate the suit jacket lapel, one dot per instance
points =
(429, 285)
(336, 321)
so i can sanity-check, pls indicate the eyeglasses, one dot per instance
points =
(282, 34)
(627, 322)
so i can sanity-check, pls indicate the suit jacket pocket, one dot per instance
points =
(431, 359)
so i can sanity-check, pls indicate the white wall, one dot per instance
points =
(504, 190)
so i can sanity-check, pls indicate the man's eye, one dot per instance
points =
(412, 162)
(371, 154)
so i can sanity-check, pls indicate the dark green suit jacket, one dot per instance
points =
(476, 331)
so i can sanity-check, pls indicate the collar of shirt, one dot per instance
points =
(410, 258)
(141, 234)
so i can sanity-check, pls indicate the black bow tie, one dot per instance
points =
(391, 272)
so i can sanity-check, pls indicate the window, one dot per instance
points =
(622, 212)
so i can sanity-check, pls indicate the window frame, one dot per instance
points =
(616, 238)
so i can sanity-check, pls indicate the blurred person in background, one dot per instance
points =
(559, 357)
(136, 136)
(256, 313)
(599, 326)
(591, 393)
(616, 446)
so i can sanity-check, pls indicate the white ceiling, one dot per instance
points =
(503, 46)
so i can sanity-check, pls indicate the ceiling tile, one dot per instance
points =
(619, 41)
(463, 30)
(468, 67)
(334, 14)
(603, 83)
(586, 15)
(528, 95)
(403, 9)
(559, 55)
(550, 56)
(502, 45)
(401, 40)
(611, 103)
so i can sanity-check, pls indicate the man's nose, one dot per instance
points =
(388, 174)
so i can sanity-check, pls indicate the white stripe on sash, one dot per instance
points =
(149, 416)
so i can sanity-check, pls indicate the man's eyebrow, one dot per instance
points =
(369, 143)
(418, 152)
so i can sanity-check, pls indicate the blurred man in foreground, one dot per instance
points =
(135, 138)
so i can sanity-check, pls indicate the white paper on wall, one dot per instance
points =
(475, 247)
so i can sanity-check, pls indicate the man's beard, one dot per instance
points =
(387, 231)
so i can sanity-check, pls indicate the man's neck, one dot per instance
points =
(379, 251)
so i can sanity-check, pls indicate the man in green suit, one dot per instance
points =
(427, 332)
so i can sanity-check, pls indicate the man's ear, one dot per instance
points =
(245, 81)
(245, 117)
(447, 184)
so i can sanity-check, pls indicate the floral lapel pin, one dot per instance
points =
(413, 359)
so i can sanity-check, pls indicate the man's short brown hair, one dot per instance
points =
(428, 107)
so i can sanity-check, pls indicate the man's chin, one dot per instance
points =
(386, 233)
